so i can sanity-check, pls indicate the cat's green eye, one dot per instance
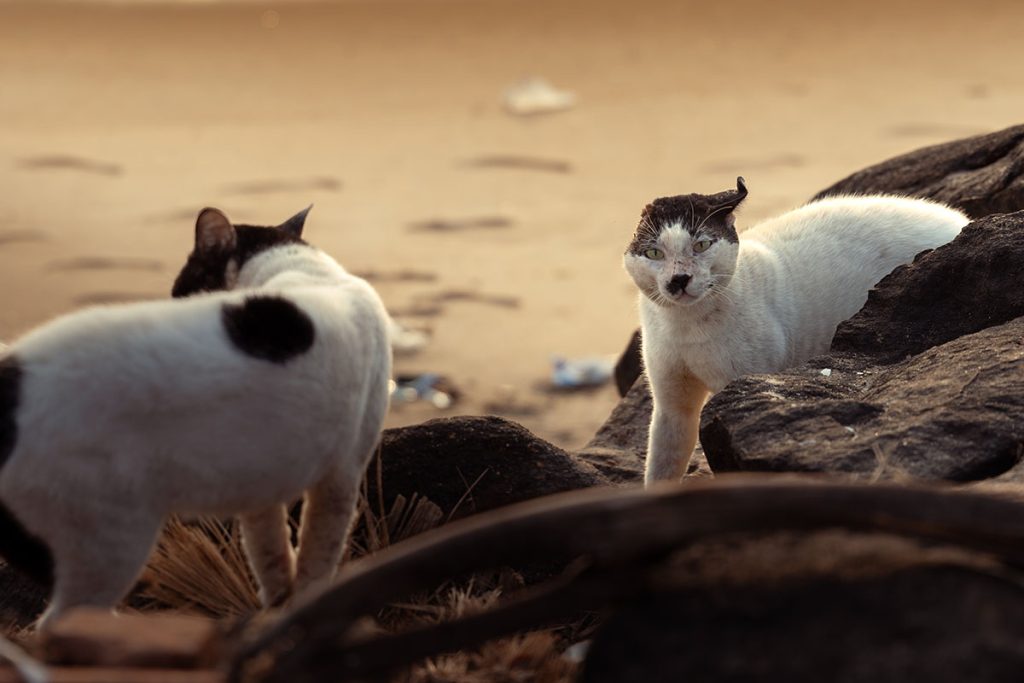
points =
(654, 254)
(701, 245)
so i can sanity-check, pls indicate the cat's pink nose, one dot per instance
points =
(678, 284)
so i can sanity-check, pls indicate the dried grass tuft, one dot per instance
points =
(200, 567)
(530, 658)
(406, 518)
(378, 528)
(534, 657)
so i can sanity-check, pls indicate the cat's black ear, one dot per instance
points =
(214, 231)
(738, 195)
(293, 226)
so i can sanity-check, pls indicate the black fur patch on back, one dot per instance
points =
(204, 271)
(10, 395)
(691, 211)
(268, 327)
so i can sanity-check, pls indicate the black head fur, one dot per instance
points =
(205, 269)
(711, 212)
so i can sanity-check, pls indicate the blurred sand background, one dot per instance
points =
(119, 121)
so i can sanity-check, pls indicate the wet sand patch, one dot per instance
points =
(67, 162)
(462, 224)
(22, 236)
(272, 186)
(107, 263)
(520, 163)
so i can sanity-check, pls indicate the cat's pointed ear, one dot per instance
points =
(293, 226)
(738, 196)
(214, 231)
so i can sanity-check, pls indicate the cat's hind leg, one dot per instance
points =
(98, 558)
(327, 516)
(267, 541)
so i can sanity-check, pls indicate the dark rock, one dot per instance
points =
(619, 449)
(920, 624)
(467, 465)
(629, 366)
(955, 412)
(981, 175)
(962, 287)
(907, 393)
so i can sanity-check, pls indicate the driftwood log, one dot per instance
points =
(614, 539)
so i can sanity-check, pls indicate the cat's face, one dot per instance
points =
(685, 246)
(221, 249)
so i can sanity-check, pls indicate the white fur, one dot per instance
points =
(770, 303)
(131, 413)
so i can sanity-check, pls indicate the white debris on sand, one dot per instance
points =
(826, 372)
(536, 96)
(405, 340)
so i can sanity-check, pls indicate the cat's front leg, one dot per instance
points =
(675, 421)
(327, 515)
(267, 541)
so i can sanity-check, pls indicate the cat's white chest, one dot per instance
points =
(716, 344)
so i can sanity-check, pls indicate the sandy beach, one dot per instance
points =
(501, 234)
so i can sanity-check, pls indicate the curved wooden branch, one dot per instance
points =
(615, 528)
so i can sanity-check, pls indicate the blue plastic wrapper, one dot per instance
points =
(580, 373)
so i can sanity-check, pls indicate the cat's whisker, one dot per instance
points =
(648, 227)
(724, 294)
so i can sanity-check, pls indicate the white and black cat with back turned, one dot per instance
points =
(717, 304)
(264, 379)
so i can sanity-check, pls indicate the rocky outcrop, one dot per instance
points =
(973, 283)
(982, 175)
(629, 365)
(927, 380)
(470, 464)
(619, 449)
